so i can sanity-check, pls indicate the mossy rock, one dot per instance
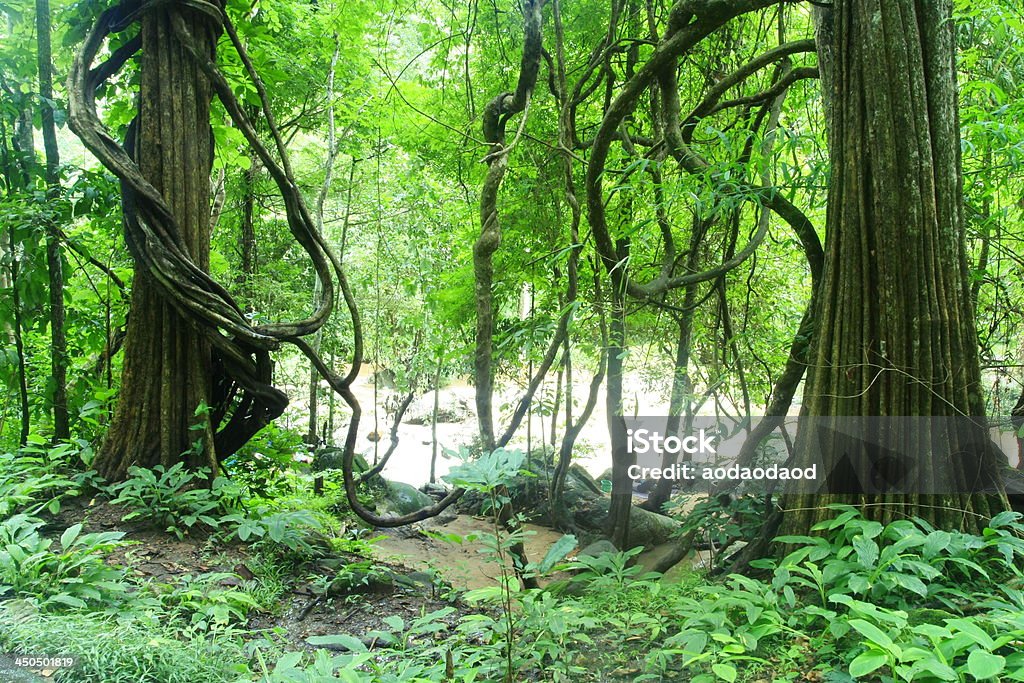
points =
(646, 528)
(403, 499)
(331, 458)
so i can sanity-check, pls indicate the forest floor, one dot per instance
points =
(157, 556)
(304, 610)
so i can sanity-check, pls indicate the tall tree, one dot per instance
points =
(167, 363)
(895, 329)
(58, 339)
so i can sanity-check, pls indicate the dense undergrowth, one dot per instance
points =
(858, 601)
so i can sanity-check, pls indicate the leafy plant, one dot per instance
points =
(74, 575)
(30, 481)
(723, 520)
(297, 534)
(898, 564)
(174, 497)
(261, 461)
(489, 474)
(129, 647)
(205, 605)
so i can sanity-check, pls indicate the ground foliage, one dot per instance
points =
(858, 600)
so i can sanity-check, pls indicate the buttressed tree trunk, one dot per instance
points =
(895, 329)
(167, 365)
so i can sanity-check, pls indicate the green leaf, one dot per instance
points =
(936, 541)
(558, 550)
(1004, 519)
(868, 662)
(867, 551)
(350, 643)
(68, 600)
(872, 633)
(972, 630)
(859, 583)
(726, 672)
(911, 583)
(69, 536)
(984, 665)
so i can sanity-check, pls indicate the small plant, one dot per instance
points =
(202, 603)
(723, 520)
(174, 498)
(899, 565)
(296, 535)
(30, 481)
(73, 575)
(610, 571)
(129, 647)
(490, 474)
(265, 457)
(298, 667)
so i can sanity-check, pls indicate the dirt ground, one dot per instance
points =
(465, 565)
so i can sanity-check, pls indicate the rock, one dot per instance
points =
(357, 578)
(435, 491)
(450, 409)
(402, 499)
(645, 528)
(598, 548)
(17, 674)
(384, 378)
(330, 458)
(584, 478)
(582, 499)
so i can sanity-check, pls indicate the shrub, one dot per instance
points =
(175, 498)
(73, 576)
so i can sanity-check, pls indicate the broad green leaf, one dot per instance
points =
(558, 550)
(872, 633)
(726, 672)
(70, 534)
(984, 665)
(867, 662)
(350, 643)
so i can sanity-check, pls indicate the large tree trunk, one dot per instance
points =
(167, 365)
(895, 329)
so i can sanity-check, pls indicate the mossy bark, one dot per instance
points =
(895, 329)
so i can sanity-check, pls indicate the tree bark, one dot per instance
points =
(167, 364)
(895, 329)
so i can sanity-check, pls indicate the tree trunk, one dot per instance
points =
(680, 396)
(895, 327)
(58, 340)
(167, 365)
(19, 343)
(622, 486)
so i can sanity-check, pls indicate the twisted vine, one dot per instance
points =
(242, 385)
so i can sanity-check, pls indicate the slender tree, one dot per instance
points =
(58, 339)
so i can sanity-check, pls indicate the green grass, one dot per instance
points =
(127, 648)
